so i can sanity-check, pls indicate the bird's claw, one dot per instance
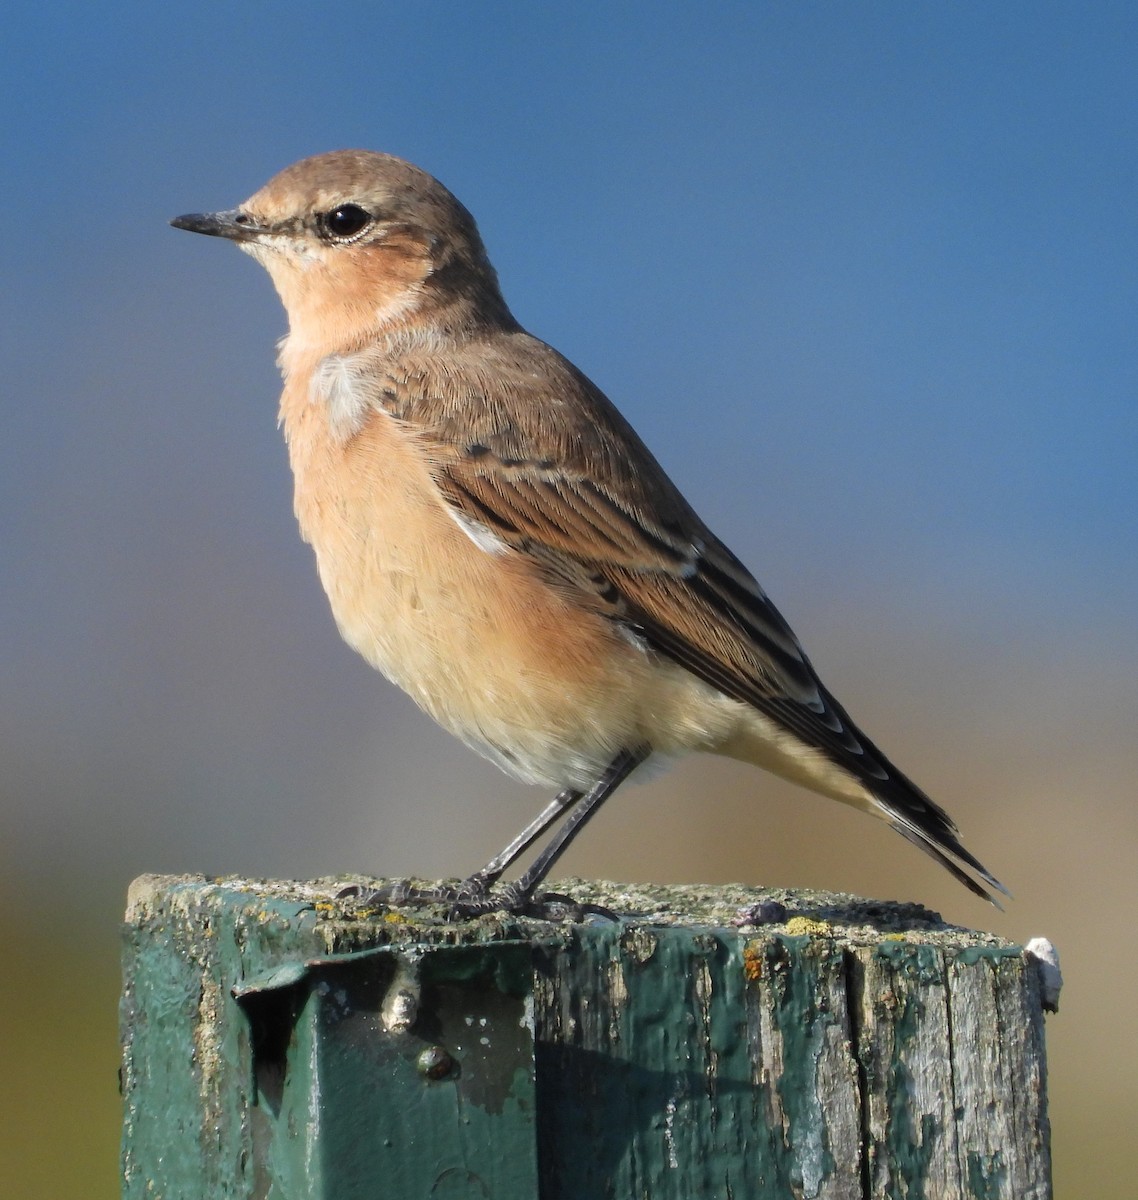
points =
(473, 897)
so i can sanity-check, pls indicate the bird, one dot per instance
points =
(496, 539)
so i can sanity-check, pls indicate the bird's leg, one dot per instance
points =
(473, 895)
(519, 895)
(482, 881)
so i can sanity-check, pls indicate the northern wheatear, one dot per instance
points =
(496, 539)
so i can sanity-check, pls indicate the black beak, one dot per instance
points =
(235, 224)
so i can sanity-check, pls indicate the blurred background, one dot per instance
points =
(865, 278)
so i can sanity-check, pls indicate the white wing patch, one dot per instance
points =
(338, 383)
(481, 535)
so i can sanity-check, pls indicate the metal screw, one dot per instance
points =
(435, 1063)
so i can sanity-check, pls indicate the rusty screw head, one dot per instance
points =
(435, 1063)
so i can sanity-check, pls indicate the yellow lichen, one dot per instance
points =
(752, 962)
(808, 926)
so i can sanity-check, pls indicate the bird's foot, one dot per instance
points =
(473, 897)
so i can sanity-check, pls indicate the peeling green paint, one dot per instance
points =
(801, 1023)
(920, 962)
(969, 956)
(986, 1176)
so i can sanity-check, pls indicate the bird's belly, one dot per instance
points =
(507, 662)
(494, 656)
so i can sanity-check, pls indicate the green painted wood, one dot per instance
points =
(695, 1080)
(281, 1044)
(436, 1087)
(270, 1052)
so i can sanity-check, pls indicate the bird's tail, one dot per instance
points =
(916, 818)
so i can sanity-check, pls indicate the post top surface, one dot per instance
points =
(836, 916)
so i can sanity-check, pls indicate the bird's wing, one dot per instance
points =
(660, 573)
(529, 454)
(526, 450)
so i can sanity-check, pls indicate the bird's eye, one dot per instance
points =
(346, 221)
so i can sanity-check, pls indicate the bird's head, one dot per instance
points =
(357, 241)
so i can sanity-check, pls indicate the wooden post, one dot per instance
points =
(709, 1042)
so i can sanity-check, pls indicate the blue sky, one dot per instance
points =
(903, 234)
(864, 276)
